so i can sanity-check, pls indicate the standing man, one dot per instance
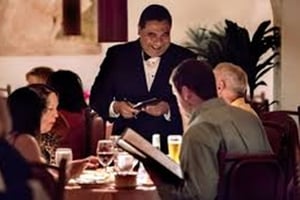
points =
(137, 71)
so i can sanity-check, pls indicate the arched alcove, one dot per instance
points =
(277, 15)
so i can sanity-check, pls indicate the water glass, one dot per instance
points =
(124, 162)
(63, 153)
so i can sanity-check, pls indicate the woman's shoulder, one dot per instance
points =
(28, 146)
(26, 139)
(16, 139)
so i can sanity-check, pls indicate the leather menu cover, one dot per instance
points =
(143, 150)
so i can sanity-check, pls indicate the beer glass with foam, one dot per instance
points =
(174, 145)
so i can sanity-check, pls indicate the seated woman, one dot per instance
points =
(34, 111)
(15, 174)
(71, 108)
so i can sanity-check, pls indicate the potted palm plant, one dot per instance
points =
(232, 43)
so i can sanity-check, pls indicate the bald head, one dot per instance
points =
(230, 80)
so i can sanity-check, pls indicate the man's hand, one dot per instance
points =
(158, 109)
(125, 109)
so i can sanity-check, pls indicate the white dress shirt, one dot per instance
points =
(150, 69)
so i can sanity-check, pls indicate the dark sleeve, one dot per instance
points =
(102, 89)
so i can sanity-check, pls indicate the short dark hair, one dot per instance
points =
(26, 106)
(197, 76)
(42, 72)
(69, 87)
(154, 12)
(26, 109)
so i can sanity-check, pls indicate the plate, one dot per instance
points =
(92, 178)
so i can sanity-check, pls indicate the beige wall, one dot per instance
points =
(248, 13)
(290, 71)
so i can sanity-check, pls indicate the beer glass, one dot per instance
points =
(174, 145)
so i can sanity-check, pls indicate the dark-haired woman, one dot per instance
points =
(71, 108)
(34, 111)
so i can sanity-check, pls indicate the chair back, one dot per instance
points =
(295, 113)
(297, 177)
(250, 176)
(277, 137)
(15, 173)
(95, 130)
(5, 91)
(293, 190)
(289, 142)
(54, 187)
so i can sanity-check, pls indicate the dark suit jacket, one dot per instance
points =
(122, 77)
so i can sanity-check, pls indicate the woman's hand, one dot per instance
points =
(93, 162)
(77, 166)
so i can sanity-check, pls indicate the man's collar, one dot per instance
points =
(146, 57)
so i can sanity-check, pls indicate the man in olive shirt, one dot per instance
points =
(212, 123)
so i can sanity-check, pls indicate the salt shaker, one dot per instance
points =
(156, 140)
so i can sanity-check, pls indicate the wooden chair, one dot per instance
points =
(54, 187)
(293, 113)
(289, 143)
(277, 136)
(293, 192)
(249, 177)
(297, 177)
(6, 90)
(95, 130)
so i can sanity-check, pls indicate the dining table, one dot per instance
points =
(107, 190)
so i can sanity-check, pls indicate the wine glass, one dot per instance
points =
(114, 139)
(105, 152)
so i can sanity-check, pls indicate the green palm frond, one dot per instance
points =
(260, 31)
(267, 62)
(232, 43)
(260, 83)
